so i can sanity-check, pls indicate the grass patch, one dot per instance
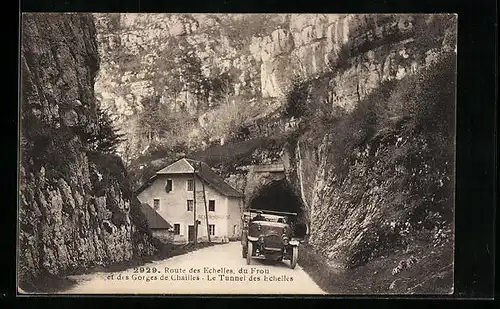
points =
(432, 273)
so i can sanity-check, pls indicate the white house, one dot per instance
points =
(189, 190)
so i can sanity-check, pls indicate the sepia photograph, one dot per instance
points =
(283, 154)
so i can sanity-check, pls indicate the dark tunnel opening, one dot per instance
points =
(280, 196)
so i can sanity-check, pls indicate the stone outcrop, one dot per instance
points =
(76, 210)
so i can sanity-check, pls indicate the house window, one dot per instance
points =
(211, 229)
(168, 185)
(211, 205)
(177, 229)
(189, 205)
(156, 203)
(190, 185)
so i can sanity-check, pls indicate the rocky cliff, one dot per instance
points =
(76, 209)
(199, 66)
(378, 186)
(377, 178)
(244, 65)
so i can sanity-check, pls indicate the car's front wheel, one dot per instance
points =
(249, 252)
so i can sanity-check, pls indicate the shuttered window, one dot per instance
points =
(168, 185)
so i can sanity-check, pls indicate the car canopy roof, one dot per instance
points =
(272, 212)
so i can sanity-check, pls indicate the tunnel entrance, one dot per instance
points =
(280, 196)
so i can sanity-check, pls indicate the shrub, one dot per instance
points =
(421, 104)
(44, 145)
(429, 32)
(338, 61)
(296, 103)
(432, 103)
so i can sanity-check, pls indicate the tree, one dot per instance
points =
(156, 120)
(221, 87)
(149, 118)
(107, 137)
(166, 76)
(179, 69)
(127, 154)
(191, 76)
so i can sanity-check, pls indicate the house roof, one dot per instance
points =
(202, 170)
(155, 221)
(179, 167)
(213, 179)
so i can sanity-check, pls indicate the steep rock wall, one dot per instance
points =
(76, 210)
(262, 54)
(137, 52)
(373, 183)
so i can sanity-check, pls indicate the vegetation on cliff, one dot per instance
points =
(189, 68)
(385, 186)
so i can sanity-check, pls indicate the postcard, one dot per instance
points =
(283, 154)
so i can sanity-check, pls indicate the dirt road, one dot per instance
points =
(219, 269)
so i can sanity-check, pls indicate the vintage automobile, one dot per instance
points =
(269, 235)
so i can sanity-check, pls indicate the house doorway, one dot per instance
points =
(191, 233)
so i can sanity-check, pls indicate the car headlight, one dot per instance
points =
(285, 240)
(261, 239)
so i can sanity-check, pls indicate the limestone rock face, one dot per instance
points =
(263, 55)
(368, 213)
(76, 210)
(393, 185)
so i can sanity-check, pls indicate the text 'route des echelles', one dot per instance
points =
(213, 274)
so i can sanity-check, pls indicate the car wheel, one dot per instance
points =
(249, 252)
(295, 257)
